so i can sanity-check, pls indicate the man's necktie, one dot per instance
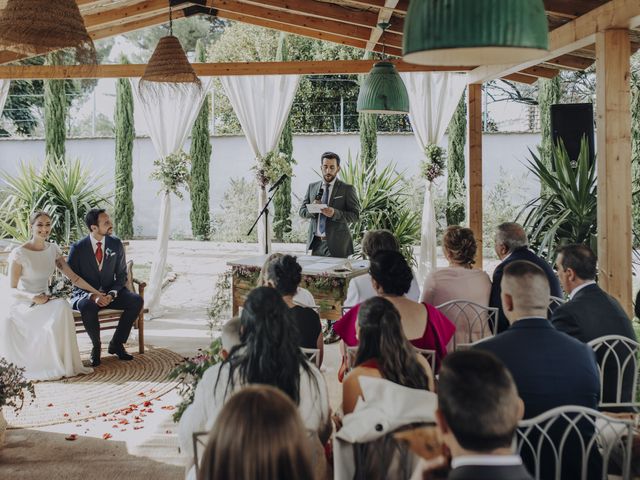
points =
(99, 252)
(322, 225)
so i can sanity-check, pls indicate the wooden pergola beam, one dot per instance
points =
(540, 71)
(571, 36)
(333, 67)
(292, 20)
(571, 62)
(570, 8)
(384, 16)
(118, 15)
(401, 7)
(474, 159)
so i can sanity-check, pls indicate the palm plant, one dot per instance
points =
(383, 204)
(566, 210)
(66, 193)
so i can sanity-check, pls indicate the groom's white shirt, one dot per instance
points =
(94, 244)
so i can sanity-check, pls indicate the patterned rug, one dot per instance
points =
(113, 386)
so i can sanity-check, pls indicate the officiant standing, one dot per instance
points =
(329, 234)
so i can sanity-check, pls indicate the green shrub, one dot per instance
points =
(66, 192)
(238, 211)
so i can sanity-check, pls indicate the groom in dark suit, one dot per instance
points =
(99, 258)
(329, 233)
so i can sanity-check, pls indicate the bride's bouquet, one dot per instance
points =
(59, 287)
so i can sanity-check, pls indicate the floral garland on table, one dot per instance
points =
(271, 167)
(324, 283)
(434, 165)
(174, 172)
(248, 274)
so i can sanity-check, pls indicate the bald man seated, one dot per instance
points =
(550, 368)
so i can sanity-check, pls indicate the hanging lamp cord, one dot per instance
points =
(170, 20)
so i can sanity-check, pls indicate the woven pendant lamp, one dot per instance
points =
(169, 64)
(35, 27)
(474, 32)
(382, 90)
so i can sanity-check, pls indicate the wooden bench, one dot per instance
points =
(109, 318)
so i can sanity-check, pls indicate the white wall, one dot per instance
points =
(231, 157)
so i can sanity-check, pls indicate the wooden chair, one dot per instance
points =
(109, 317)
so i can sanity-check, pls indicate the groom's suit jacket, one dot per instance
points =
(112, 276)
(347, 210)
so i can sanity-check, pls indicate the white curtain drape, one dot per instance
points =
(433, 98)
(4, 93)
(262, 105)
(169, 117)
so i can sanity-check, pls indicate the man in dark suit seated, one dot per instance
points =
(99, 258)
(511, 244)
(591, 313)
(478, 411)
(550, 368)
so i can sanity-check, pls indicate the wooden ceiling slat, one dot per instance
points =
(539, 71)
(571, 62)
(401, 7)
(119, 15)
(518, 77)
(571, 8)
(311, 23)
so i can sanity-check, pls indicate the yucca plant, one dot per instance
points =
(65, 192)
(383, 204)
(566, 211)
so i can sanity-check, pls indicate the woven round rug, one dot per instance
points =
(113, 386)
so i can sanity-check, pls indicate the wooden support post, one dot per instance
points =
(614, 164)
(474, 126)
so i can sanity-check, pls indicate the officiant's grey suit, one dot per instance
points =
(345, 203)
(111, 278)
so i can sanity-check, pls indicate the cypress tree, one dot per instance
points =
(55, 113)
(125, 134)
(200, 159)
(282, 200)
(549, 92)
(368, 123)
(456, 190)
(635, 152)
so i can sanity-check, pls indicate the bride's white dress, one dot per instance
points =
(41, 338)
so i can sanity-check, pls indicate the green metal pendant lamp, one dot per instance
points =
(474, 32)
(382, 90)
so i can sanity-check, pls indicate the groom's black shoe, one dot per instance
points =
(119, 351)
(95, 355)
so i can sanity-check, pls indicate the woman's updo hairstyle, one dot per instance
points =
(285, 273)
(36, 215)
(460, 244)
(391, 271)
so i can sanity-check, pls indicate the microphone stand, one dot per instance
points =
(265, 213)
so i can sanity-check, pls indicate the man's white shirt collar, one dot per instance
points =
(580, 287)
(486, 460)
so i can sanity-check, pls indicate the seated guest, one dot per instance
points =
(459, 280)
(550, 368)
(302, 297)
(230, 336)
(511, 244)
(258, 436)
(284, 274)
(383, 352)
(591, 313)
(478, 412)
(268, 354)
(360, 288)
(637, 306)
(422, 324)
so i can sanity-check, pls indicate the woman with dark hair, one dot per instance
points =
(423, 324)
(268, 354)
(284, 274)
(258, 435)
(383, 352)
(637, 306)
(360, 287)
(302, 297)
(458, 281)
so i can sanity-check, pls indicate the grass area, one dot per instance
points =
(142, 271)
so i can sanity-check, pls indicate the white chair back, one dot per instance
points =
(554, 302)
(617, 356)
(473, 321)
(312, 354)
(574, 437)
(429, 355)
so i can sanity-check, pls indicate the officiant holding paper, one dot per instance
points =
(331, 205)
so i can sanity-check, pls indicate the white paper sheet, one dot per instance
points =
(316, 207)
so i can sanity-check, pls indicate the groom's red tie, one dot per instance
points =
(99, 253)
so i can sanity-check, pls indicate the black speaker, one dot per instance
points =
(570, 122)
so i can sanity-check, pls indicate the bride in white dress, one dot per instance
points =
(37, 332)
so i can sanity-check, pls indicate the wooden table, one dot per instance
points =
(327, 278)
